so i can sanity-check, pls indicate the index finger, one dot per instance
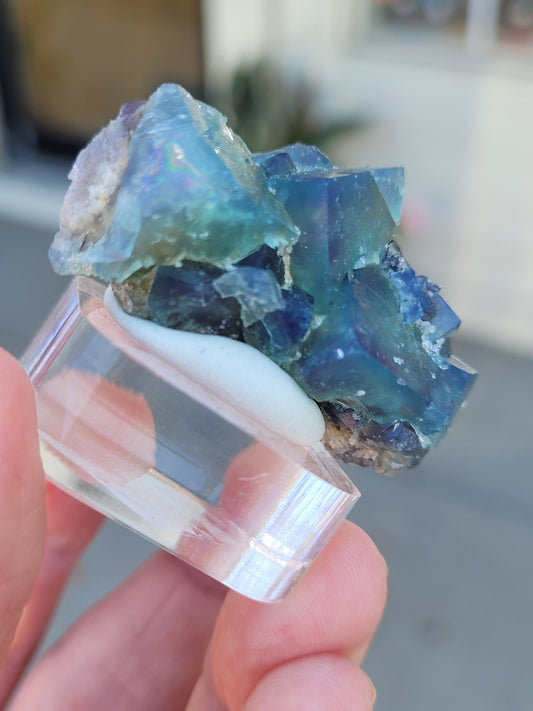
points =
(335, 609)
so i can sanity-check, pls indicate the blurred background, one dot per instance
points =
(443, 87)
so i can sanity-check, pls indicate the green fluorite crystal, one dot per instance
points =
(281, 250)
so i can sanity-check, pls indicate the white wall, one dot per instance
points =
(291, 31)
(493, 269)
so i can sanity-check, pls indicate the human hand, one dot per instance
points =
(168, 637)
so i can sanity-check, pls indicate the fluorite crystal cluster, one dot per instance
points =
(280, 250)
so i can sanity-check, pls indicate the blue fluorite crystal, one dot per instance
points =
(343, 215)
(279, 334)
(281, 250)
(186, 299)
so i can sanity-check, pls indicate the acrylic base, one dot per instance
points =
(126, 432)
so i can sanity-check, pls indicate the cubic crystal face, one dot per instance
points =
(281, 250)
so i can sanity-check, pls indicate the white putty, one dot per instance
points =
(234, 372)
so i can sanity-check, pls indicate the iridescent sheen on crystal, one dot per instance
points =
(286, 252)
(190, 191)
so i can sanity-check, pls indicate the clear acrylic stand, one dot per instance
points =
(126, 432)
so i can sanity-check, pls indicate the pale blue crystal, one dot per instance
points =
(390, 182)
(256, 290)
(297, 158)
(190, 191)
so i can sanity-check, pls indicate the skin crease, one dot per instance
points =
(168, 637)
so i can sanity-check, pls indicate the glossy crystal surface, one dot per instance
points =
(190, 190)
(293, 256)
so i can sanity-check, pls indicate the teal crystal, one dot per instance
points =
(190, 191)
(281, 250)
(343, 215)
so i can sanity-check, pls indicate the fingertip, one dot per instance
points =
(335, 608)
(324, 681)
(354, 561)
